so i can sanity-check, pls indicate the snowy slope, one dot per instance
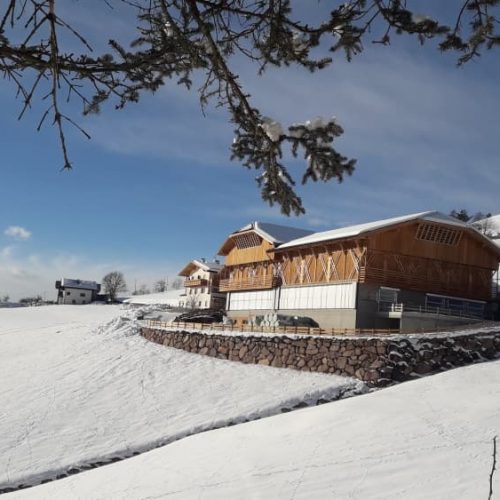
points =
(170, 298)
(429, 439)
(74, 392)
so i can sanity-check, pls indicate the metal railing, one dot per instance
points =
(445, 311)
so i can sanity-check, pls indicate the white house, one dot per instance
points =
(202, 285)
(75, 291)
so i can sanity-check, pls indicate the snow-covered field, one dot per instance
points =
(78, 385)
(429, 439)
(170, 298)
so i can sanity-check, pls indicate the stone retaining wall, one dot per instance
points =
(378, 361)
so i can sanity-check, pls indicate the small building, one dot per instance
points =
(202, 285)
(414, 271)
(75, 291)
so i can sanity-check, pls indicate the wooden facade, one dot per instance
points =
(247, 267)
(415, 255)
(322, 264)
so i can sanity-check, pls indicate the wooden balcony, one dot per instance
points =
(255, 283)
(192, 283)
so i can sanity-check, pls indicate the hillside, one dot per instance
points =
(426, 439)
(80, 387)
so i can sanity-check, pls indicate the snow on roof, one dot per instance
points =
(208, 265)
(275, 233)
(192, 265)
(359, 229)
(80, 284)
(489, 226)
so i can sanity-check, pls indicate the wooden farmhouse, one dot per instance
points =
(414, 271)
(249, 264)
(202, 285)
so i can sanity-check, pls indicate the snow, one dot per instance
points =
(418, 19)
(170, 298)
(208, 265)
(490, 226)
(78, 385)
(359, 229)
(426, 439)
(272, 128)
(274, 233)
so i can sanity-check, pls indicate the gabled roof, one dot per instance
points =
(273, 233)
(80, 284)
(363, 229)
(210, 266)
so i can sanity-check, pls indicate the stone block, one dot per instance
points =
(341, 363)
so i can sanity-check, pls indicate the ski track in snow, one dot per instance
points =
(78, 395)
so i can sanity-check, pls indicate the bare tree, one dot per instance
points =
(113, 283)
(176, 39)
(177, 284)
(142, 290)
(192, 302)
(31, 301)
(161, 285)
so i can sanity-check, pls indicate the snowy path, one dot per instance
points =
(74, 393)
(429, 439)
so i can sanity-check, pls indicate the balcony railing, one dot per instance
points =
(255, 283)
(444, 311)
(199, 282)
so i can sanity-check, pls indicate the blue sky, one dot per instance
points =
(155, 188)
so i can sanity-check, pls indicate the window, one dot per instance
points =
(73, 301)
(386, 294)
(82, 294)
(68, 293)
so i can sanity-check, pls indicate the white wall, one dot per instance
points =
(74, 296)
(340, 296)
(261, 299)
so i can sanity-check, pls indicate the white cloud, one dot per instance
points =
(6, 252)
(18, 233)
